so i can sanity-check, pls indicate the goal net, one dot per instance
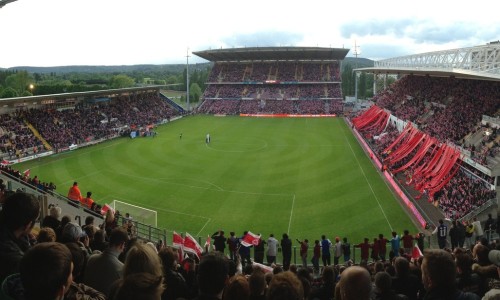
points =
(137, 213)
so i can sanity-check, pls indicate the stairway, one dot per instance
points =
(38, 135)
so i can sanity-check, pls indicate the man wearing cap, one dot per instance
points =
(73, 233)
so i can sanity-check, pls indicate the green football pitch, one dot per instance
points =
(301, 176)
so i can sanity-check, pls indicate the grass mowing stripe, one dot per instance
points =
(307, 177)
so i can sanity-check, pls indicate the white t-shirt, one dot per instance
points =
(478, 229)
(337, 249)
(272, 246)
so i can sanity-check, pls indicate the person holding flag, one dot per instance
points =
(207, 244)
(246, 241)
(258, 251)
(178, 242)
(191, 246)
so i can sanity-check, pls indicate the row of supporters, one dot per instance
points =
(275, 71)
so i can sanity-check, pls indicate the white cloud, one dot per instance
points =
(111, 32)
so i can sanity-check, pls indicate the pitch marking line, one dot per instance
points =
(219, 189)
(114, 197)
(70, 182)
(236, 151)
(154, 208)
(291, 214)
(367, 181)
(92, 149)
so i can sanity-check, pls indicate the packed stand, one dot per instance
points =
(88, 122)
(106, 261)
(455, 105)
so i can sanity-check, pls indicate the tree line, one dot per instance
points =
(20, 83)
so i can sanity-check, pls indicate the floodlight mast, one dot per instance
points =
(187, 80)
(356, 53)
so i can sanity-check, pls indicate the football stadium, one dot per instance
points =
(274, 166)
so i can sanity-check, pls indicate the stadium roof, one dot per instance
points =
(27, 100)
(480, 63)
(4, 2)
(273, 53)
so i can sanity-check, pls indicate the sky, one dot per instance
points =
(125, 32)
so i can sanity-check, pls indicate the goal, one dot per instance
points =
(137, 213)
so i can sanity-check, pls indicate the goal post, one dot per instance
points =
(137, 213)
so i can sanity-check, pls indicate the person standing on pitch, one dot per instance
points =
(207, 139)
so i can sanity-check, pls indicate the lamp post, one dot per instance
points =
(187, 80)
(32, 87)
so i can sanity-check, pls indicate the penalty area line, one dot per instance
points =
(291, 214)
(368, 182)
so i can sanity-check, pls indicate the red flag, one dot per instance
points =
(105, 209)
(192, 246)
(178, 240)
(250, 239)
(26, 173)
(416, 253)
(208, 242)
(5, 162)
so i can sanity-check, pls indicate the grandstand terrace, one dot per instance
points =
(453, 97)
(37, 124)
(274, 80)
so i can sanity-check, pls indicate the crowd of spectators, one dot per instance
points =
(110, 263)
(16, 139)
(257, 82)
(234, 107)
(280, 71)
(273, 92)
(445, 108)
(448, 109)
(463, 194)
(85, 122)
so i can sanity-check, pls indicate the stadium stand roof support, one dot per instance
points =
(479, 62)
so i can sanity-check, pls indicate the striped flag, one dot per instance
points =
(27, 172)
(250, 239)
(264, 268)
(192, 246)
(178, 242)
(208, 242)
(105, 209)
(416, 253)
